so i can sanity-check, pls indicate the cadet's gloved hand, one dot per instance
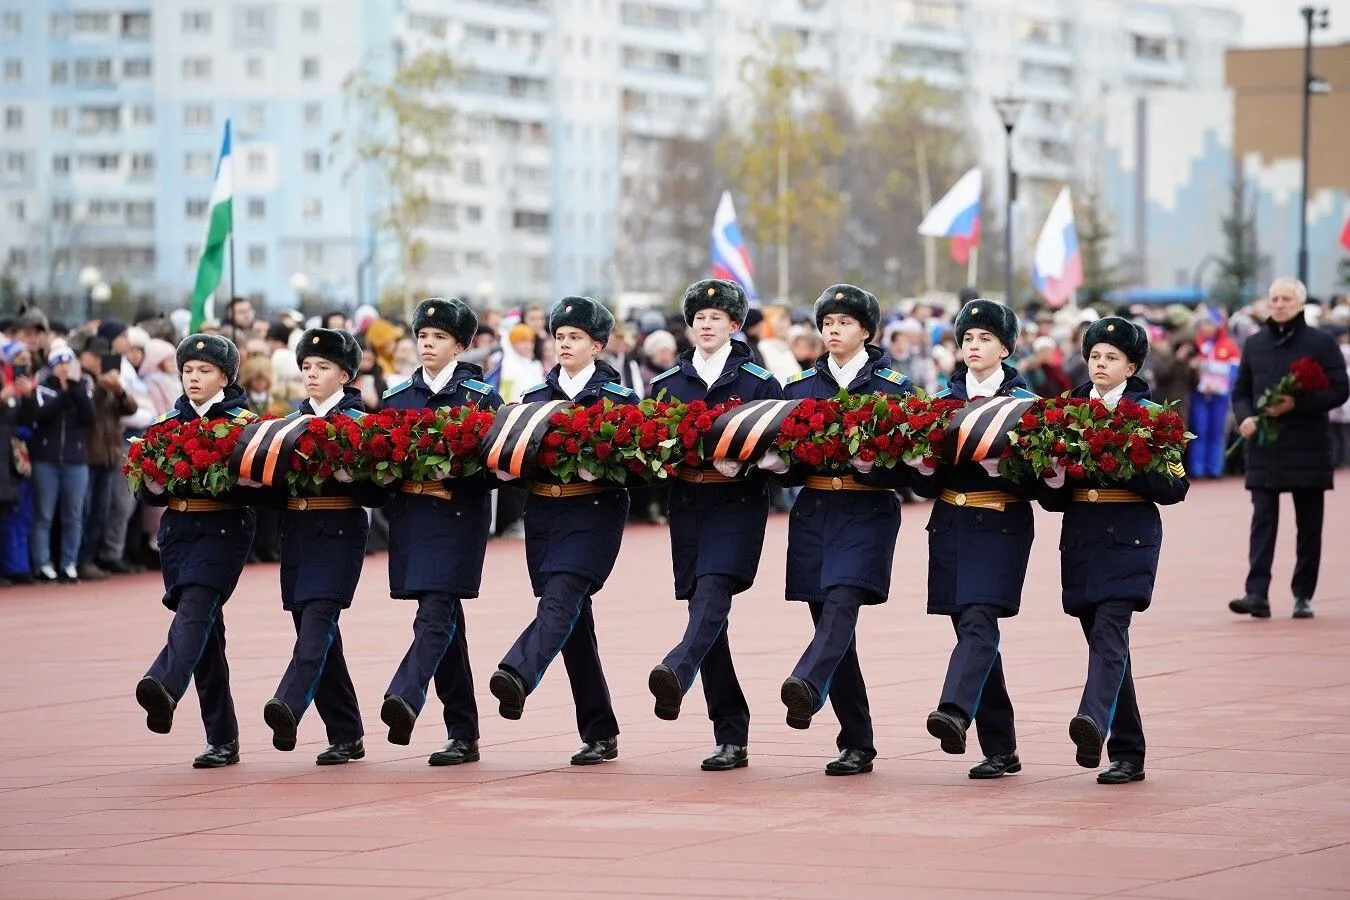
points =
(917, 464)
(990, 466)
(1056, 480)
(772, 462)
(585, 475)
(863, 466)
(504, 476)
(727, 467)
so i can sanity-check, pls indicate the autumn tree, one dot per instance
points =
(1241, 259)
(1100, 276)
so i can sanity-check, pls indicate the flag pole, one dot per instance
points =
(231, 247)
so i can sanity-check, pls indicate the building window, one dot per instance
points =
(473, 171)
(196, 68)
(61, 164)
(195, 209)
(255, 117)
(313, 161)
(60, 72)
(253, 67)
(197, 22)
(10, 24)
(522, 220)
(142, 163)
(191, 255)
(312, 254)
(311, 209)
(16, 163)
(92, 23)
(61, 211)
(257, 162)
(143, 115)
(473, 214)
(198, 165)
(257, 256)
(309, 68)
(60, 119)
(93, 71)
(100, 119)
(198, 116)
(475, 259)
(13, 118)
(257, 209)
(255, 22)
(135, 68)
(136, 25)
(13, 71)
(141, 212)
(309, 20)
(313, 115)
(17, 211)
(98, 162)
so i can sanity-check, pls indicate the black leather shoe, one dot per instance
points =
(281, 720)
(1088, 738)
(158, 705)
(596, 752)
(726, 757)
(1121, 772)
(337, 754)
(509, 690)
(800, 701)
(949, 729)
(851, 762)
(997, 766)
(665, 687)
(217, 756)
(1303, 608)
(1251, 605)
(455, 753)
(399, 716)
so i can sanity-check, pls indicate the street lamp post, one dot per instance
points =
(90, 277)
(300, 284)
(1312, 18)
(1008, 110)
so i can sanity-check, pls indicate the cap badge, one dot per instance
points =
(712, 291)
(974, 310)
(839, 295)
(431, 310)
(315, 340)
(568, 309)
(201, 345)
(1110, 328)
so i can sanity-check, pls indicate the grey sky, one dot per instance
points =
(1270, 23)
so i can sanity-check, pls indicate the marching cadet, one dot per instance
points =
(979, 541)
(1110, 541)
(323, 545)
(572, 537)
(203, 545)
(438, 534)
(716, 522)
(841, 533)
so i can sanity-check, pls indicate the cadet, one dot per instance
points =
(438, 535)
(572, 537)
(1109, 547)
(716, 522)
(841, 534)
(979, 541)
(323, 544)
(203, 545)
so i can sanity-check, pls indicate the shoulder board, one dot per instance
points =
(165, 417)
(1149, 404)
(478, 387)
(619, 390)
(801, 375)
(759, 372)
(403, 385)
(671, 371)
(240, 412)
(1021, 394)
(890, 375)
(541, 386)
(942, 394)
(353, 413)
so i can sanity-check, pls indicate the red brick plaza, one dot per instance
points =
(1248, 723)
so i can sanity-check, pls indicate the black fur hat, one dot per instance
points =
(714, 293)
(1124, 335)
(993, 317)
(850, 301)
(210, 348)
(451, 316)
(589, 315)
(338, 347)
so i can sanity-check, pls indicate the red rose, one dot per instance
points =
(571, 446)
(1029, 421)
(1074, 470)
(548, 459)
(692, 459)
(1054, 416)
(553, 439)
(1141, 456)
(603, 450)
(181, 469)
(1108, 463)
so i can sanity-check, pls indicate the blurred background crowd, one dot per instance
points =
(73, 396)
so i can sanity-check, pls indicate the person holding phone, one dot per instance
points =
(111, 402)
(16, 503)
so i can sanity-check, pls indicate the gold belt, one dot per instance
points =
(563, 490)
(317, 503)
(835, 483)
(180, 504)
(995, 500)
(1105, 495)
(427, 489)
(703, 476)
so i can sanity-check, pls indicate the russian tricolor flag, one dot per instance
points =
(730, 255)
(1057, 268)
(957, 216)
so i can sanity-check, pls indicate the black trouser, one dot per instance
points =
(195, 651)
(440, 651)
(974, 686)
(830, 666)
(1308, 509)
(1108, 694)
(704, 650)
(318, 673)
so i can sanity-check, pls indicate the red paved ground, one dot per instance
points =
(1247, 792)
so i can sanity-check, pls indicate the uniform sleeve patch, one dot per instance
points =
(759, 372)
(800, 376)
(671, 371)
(396, 388)
(478, 387)
(891, 375)
(620, 390)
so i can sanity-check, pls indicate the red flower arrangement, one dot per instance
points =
(922, 427)
(184, 457)
(608, 442)
(421, 444)
(1095, 443)
(814, 434)
(329, 448)
(1305, 376)
(690, 424)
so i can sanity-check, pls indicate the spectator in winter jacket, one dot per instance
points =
(104, 449)
(59, 410)
(16, 502)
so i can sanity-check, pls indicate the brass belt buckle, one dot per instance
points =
(836, 483)
(1093, 496)
(959, 500)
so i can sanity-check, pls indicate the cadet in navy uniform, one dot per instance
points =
(841, 534)
(979, 541)
(717, 522)
(572, 537)
(438, 534)
(323, 544)
(203, 545)
(1109, 548)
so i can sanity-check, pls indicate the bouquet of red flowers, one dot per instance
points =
(814, 434)
(1093, 442)
(422, 444)
(1305, 376)
(922, 427)
(690, 424)
(604, 442)
(329, 448)
(184, 457)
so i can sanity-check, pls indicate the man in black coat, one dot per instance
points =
(1299, 459)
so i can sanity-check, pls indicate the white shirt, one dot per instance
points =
(844, 375)
(324, 407)
(571, 386)
(987, 388)
(1111, 397)
(440, 381)
(201, 410)
(710, 368)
